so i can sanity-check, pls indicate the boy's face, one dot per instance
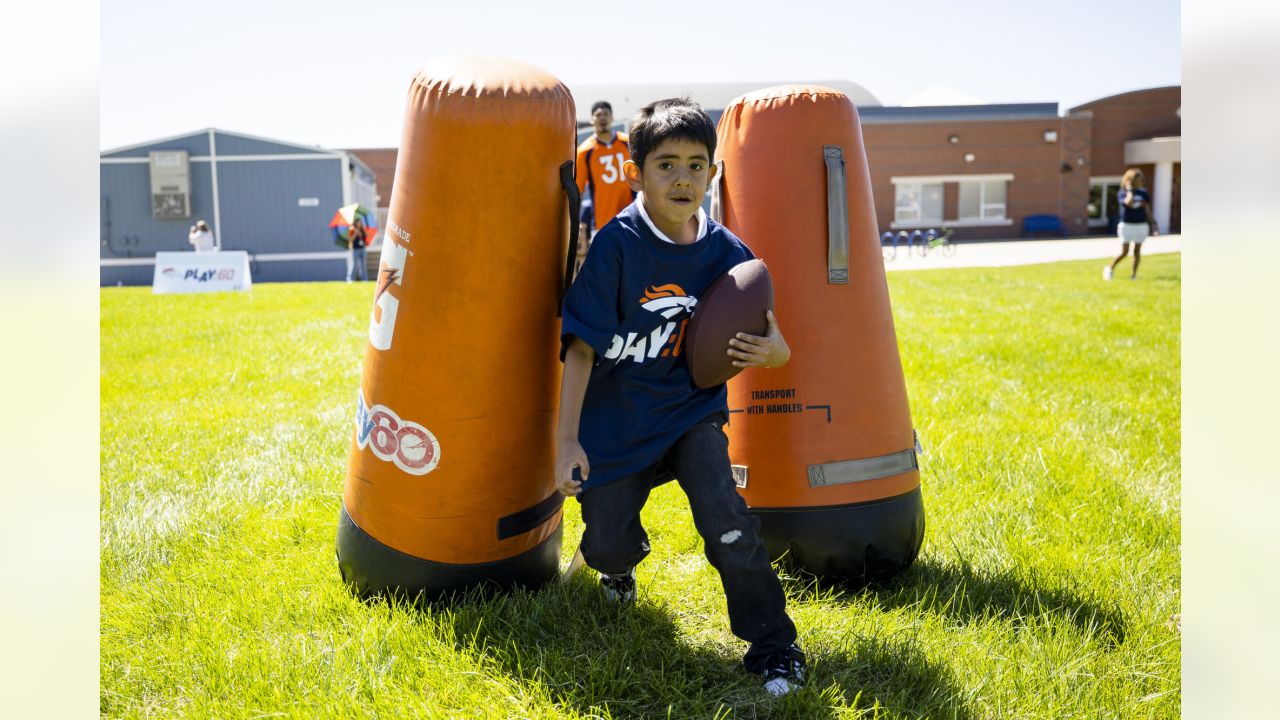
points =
(674, 180)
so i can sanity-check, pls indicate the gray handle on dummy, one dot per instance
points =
(837, 217)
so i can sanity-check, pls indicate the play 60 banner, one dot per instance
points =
(189, 272)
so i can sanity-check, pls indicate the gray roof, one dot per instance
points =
(229, 143)
(953, 113)
(627, 99)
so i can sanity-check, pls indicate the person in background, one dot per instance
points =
(598, 172)
(357, 241)
(201, 237)
(1136, 220)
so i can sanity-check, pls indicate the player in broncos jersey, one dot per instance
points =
(599, 174)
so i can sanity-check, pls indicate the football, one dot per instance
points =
(735, 302)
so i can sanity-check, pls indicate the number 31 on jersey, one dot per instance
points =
(612, 168)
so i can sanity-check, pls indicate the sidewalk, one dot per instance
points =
(1027, 252)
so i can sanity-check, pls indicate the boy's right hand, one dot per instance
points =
(570, 456)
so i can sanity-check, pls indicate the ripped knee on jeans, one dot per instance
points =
(730, 537)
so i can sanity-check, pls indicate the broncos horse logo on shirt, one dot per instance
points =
(667, 338)
(667, 300)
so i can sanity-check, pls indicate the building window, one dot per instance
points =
(918, 202)
(1103, 206)
(982, 200)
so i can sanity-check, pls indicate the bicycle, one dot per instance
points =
(888, 245)
(917, 242)
(921, 242)
(940, 242)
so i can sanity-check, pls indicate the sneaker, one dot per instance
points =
(1133, 277)
(785, 671)
(620, 588)
(1106, 273)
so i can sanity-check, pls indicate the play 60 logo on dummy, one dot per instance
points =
(410, 446)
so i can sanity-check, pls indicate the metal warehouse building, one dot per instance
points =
(270, 198)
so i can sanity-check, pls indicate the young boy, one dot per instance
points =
(629, 411)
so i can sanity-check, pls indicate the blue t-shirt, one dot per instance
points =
(1137, 213)
(631, 303)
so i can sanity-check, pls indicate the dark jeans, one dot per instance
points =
(614, 540)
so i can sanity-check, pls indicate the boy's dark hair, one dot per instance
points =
(675, 118)
(601, 104)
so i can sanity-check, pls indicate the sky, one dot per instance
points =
(335, 74)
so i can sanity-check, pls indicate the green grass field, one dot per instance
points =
(1047, 402)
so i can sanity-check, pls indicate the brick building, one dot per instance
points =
(1141, 129)
(983, 169)
(980, 169)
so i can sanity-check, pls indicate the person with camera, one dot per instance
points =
(201, 237)
(1136, 221)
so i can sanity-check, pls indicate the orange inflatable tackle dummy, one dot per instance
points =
(823, 448)
(450, 480)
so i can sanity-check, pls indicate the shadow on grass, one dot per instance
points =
(969, 595)
(636, 662)
(893, 675)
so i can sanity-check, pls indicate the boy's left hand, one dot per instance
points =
(770, 351)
